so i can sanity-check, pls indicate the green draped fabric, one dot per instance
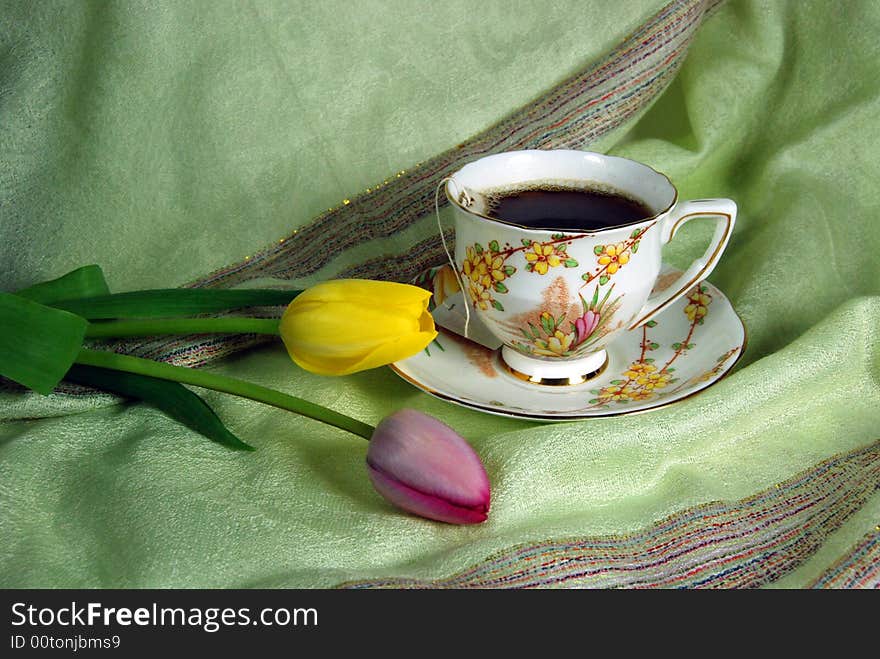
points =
(166, 142)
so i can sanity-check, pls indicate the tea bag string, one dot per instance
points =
(467, 307)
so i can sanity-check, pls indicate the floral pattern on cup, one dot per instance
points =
(548, 336)
(612, 257)
(485, 269)
(484, 273)
(540, 257)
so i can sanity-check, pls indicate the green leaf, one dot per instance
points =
(173, 398)
(570, 263)
(493, 246)
(87, 281)
(635, 233)
(38, 344)
(670, 370)
(509, 270)
(169, 302)
(605, 297)
(598, 249)
(440, 345)
(635, 247)
(603, 280)
(529, 267)
(594, 301)
(586, 276)
(558, 236)
(528, 337)
(547, 323)
(676, 346)
(526, 242)
(560, 249)
(499, 287)
(497, 305)
(478, 248)
(593, 401)
(618, 381)
(651, 323)
(654, 346)
(649, 361)
(535, 333)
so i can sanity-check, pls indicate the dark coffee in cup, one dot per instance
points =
(566, 209)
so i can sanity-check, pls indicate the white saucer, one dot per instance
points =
(673, 357)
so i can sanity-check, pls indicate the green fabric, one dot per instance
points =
(775, 107)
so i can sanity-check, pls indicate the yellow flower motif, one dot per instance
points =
(615, 392)
(480, 296)
(697, 306)
(614, 257)
(481, 271)
(555, 346)
(542, 257)
(653, 381)
(639, 369)
(645, 378)
(343, 326)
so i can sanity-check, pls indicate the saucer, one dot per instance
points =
(686, 348)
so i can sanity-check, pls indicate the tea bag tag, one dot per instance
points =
(465, 199)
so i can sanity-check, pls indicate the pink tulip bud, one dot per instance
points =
(423, 466)
(585, 325)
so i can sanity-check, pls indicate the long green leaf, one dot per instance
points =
(171, 302)
(173, 398)
(38, 344)
(87, 281)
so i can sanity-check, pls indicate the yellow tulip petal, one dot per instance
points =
(604, 260)
(553, 260)
(623, 259)
(364, 291)
(612, 268)
(332, 331)
(531, 257)
(541, 267)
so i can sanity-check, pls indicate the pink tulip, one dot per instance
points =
(585, 325)
(423, 466)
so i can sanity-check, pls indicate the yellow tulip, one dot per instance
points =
(343, 326)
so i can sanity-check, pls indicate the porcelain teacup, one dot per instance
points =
(556, 298)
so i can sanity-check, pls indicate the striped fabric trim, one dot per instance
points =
(573, 114)
(860, 568)
(744, 544)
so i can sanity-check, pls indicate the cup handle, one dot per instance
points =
(723, 211)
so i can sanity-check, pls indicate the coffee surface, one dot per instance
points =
(567, 209)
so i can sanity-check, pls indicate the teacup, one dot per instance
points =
(555, 298)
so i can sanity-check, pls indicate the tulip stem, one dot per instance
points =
(225, 384)
(116, 328)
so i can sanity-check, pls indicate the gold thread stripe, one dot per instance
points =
(571, 115)
(860, 568)
(743, 544)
